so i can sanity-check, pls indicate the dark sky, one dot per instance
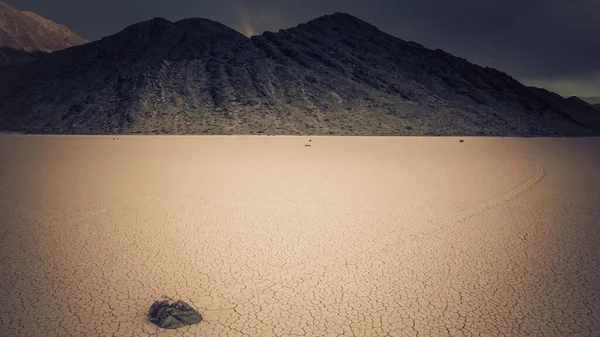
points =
(549, 43)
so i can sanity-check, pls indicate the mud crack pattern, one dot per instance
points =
(352, 237)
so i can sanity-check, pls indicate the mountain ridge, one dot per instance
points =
(335, 74)
(24, 36)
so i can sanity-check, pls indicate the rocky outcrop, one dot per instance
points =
(170, 314)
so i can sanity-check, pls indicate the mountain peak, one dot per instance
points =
(343, 16)
(156, 23)
(206, 26)
(24, 34)
(342, 20)
(578, 100)
(149, 31)
(160, 29)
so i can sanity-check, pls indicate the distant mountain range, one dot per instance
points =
(25, 35)
(591, 100)
(333, 75)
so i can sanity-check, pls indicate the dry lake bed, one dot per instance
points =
(266, 236)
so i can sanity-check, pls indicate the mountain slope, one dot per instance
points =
(333, 75)
(24, 35)
(591, 100)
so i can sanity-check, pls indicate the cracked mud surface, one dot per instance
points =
(266, 237)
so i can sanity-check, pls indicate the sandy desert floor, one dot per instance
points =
(352, 236)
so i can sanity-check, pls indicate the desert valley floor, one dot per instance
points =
(266, 236)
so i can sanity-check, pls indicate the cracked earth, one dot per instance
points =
(353, 236)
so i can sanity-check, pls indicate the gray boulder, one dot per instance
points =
(170, 314)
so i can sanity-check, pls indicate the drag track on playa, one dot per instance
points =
(352, 236)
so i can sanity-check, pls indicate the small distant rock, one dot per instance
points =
(170, 314)
(307, 145)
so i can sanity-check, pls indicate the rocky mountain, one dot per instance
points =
(24, 36)
(333, 75)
